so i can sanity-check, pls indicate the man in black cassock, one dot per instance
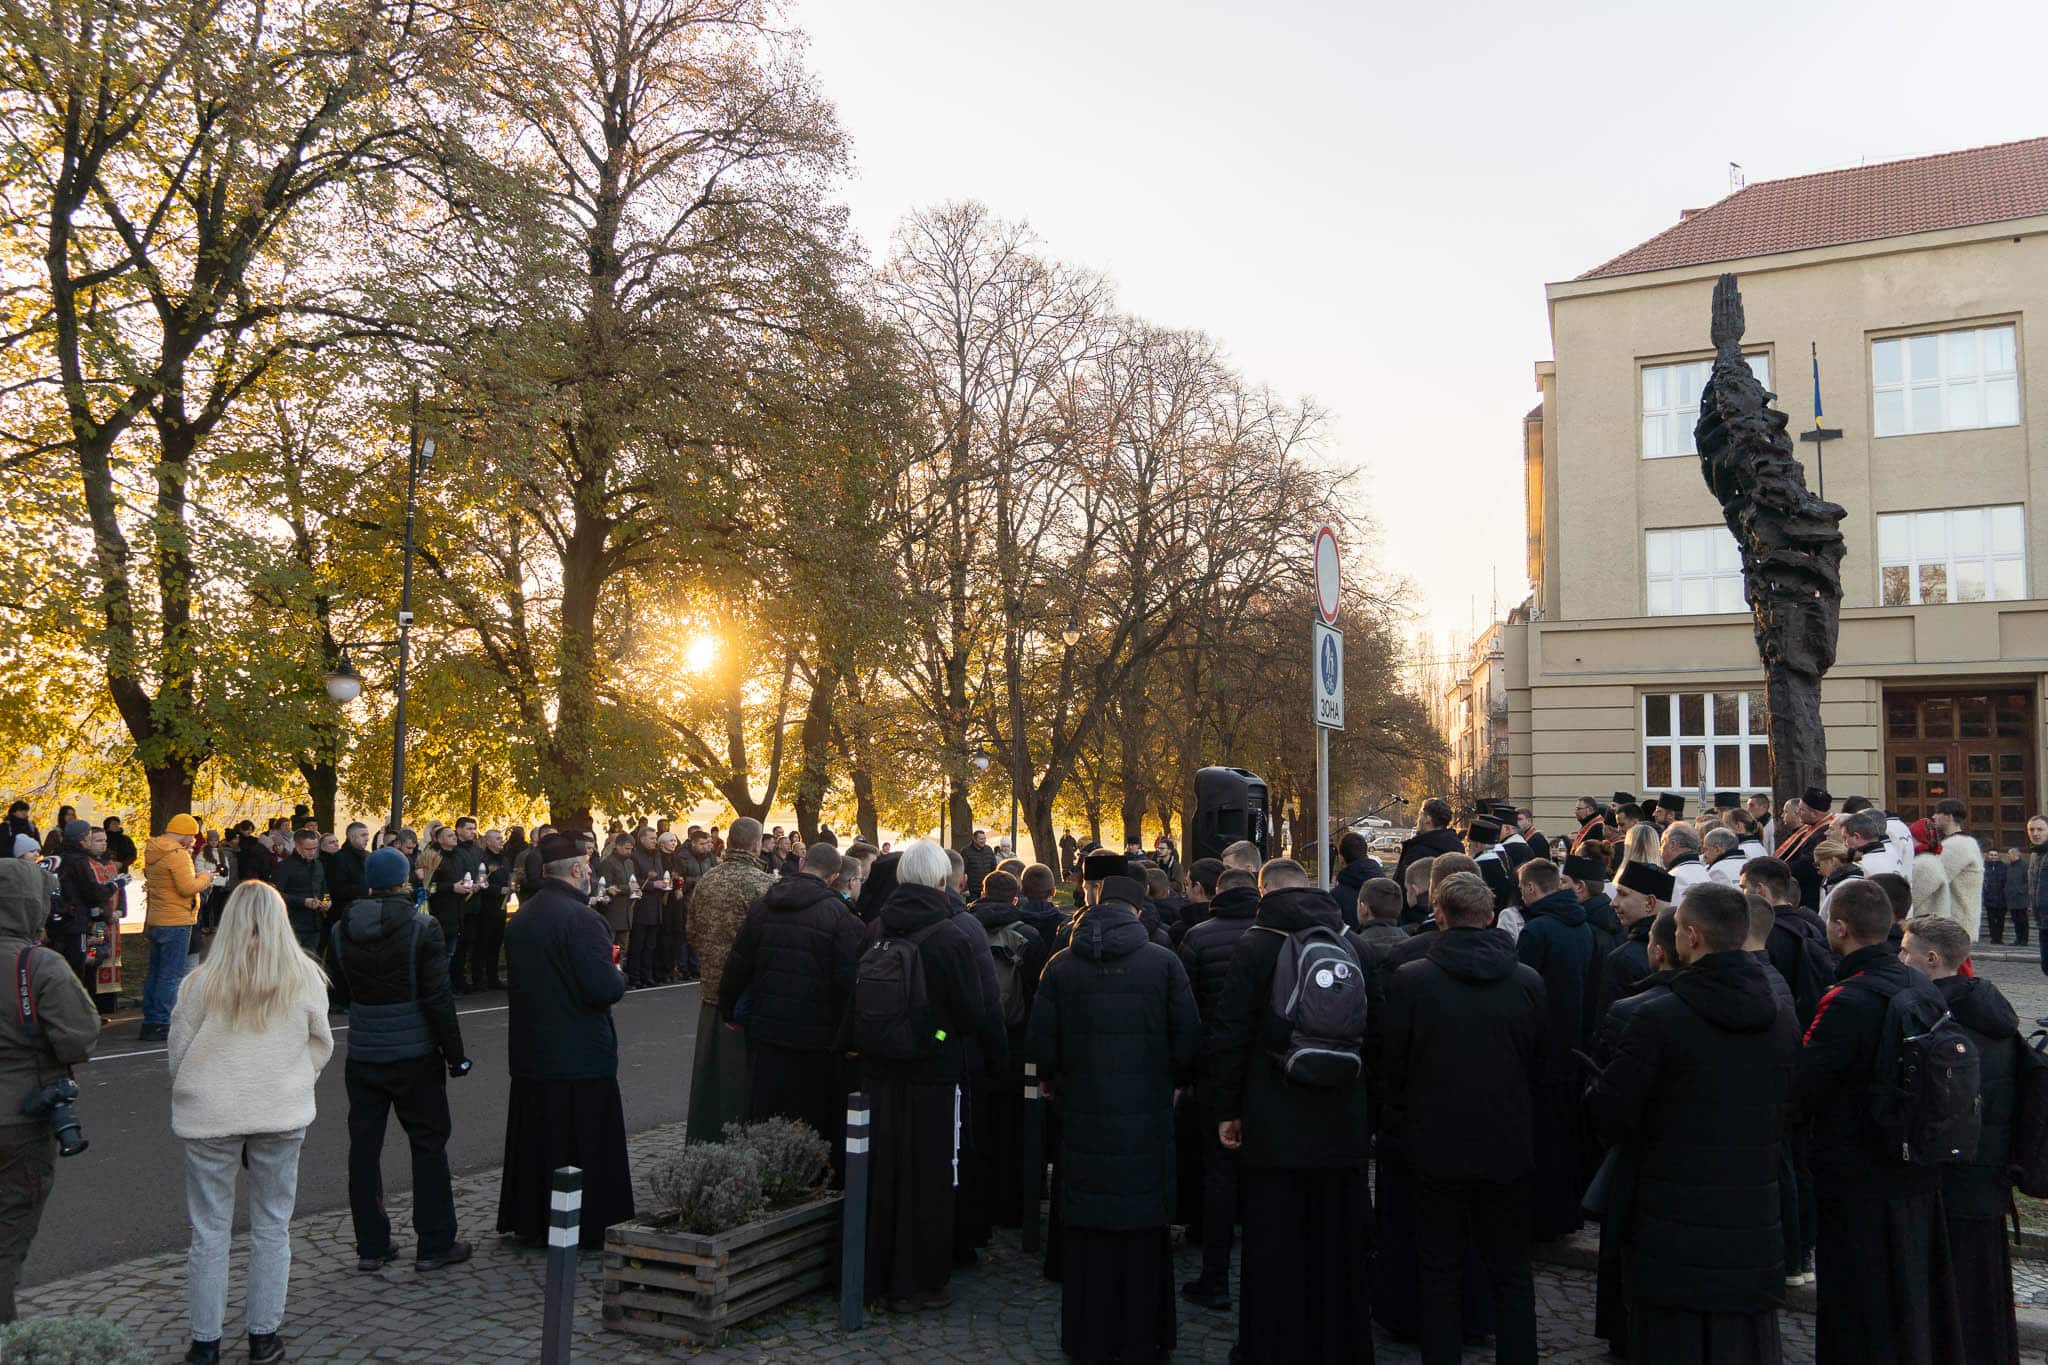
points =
(1694, 1098)
(563, 1054)
(1885, 1283)
(1304, 1290)
(1113, 1027)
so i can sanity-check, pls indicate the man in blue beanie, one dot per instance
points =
(389, 965)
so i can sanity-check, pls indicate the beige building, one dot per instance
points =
(1923, 287)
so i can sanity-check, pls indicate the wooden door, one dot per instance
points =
(1976, 745)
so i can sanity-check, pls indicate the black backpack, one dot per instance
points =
(891, 1012)
(2029, 1160)
(1009, 945)
(1319, 994)
(1925, 1087)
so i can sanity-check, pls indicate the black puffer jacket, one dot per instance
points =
(1851, 1157)
(794, 961)
(1621, 969)
(1207, 948)
(397, 1010)
(1696, 1093)
(958, 1005)
(1287, 1125)
(1113, 1029)
(348, 878)
(1349, 878)
(1979, 1188)
(1463, 1042)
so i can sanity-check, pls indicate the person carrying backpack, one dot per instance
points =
(917, 1005)
(1018, 952)
(1885, 1287)
(1977, 1192)
(1285, 1065)
(1113, 1031)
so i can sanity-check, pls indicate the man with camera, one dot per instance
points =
(48, 1025)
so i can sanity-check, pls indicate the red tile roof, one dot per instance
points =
(1859, 204)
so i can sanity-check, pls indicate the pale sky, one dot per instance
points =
(1363, 203)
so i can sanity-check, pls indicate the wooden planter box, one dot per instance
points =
(682, 1287)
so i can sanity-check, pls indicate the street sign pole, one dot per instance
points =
(1326, 671)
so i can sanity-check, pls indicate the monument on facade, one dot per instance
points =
(1791, 543)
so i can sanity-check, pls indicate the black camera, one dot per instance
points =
(58, 1102)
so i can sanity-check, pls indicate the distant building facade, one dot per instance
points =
(1924, 286)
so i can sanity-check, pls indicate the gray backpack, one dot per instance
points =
(1319, 993)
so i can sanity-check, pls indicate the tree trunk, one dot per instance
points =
(323, 779)
(170, 790)
(1799, 742)
(565, 754)
(812, 778)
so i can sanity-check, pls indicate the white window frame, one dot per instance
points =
(1923, 382)
(1701, 559)
(1953, 537)
(1749, 732)
(1672, 420)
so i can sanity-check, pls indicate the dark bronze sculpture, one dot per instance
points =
(1791, 544)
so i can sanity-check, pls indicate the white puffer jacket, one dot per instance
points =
(235, 1082)
(1951, 883)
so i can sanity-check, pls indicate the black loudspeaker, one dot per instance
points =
(1230, 804)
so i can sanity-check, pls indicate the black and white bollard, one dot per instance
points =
(1033, 1156)
(565, 1225)
(853, 1221)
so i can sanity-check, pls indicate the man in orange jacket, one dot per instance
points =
(173, 887)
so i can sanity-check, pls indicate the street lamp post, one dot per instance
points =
(344, 684)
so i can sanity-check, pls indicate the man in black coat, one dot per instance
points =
(1206, 951)
(1360, 867)
(563, 1054)
(1114, 1026)
(1557, 943)
(1433, 835)
(1694, 1097)
(915, 1103)
(348, 878)
(793, 964)
(1639, 894)
(1304, 1289)
(1975, 1195)
(1882, 1256)
(1462, 1045)
(120, 848)
(390, 972)
(1799, 943)
(1019, 941)
(302, 880)
(82, 898)
(1482, 844)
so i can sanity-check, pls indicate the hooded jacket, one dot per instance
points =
(1557, 943)
(1979, 1188)
(1286, 1125)
(1206, 949)
(1349, 878)
(956, 1005)
(1031, 953)
(389, 965)
(1113, 1030)
(1696, 1094)
(70, 1024)
(1428, 844)
(171, 884)
(1463, 1043)
(794, 960)
(1620, 970)
(80, 891)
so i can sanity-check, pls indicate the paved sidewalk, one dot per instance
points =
(489, 1310)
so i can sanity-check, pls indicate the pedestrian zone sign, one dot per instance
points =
(1328, 668)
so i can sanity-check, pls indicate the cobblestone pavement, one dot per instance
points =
(489, 1310)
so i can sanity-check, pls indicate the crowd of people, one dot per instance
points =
(1376, 1099)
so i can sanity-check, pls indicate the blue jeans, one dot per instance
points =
(169, 947)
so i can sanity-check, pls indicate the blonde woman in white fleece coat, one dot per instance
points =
(248, 1038)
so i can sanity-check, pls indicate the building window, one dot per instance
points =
(1715, 737)
(1945, 381)
(1693, 570)
(1671, 403)
(1964, 554)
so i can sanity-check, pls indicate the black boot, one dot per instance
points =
(203, 1353)
(265, 1350)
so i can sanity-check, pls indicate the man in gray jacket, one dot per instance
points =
(49, 1024)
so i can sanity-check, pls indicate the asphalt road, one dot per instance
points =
(125, 1196)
